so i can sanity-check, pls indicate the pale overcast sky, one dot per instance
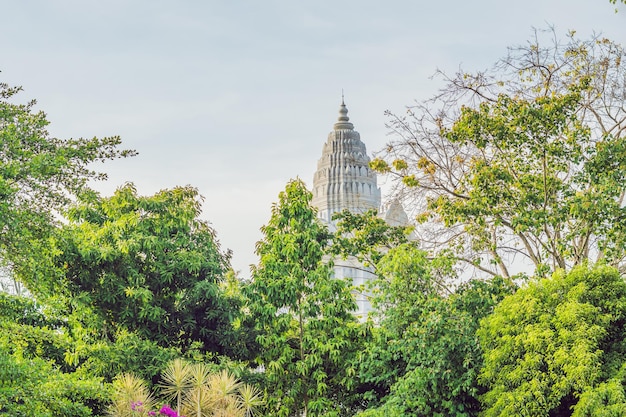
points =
(237, 97)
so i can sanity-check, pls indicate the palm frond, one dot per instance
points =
(176, 379)
(250, 399)
(198, 402)
(130, 396)
(224, 384)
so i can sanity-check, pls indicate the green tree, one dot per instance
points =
(93, 355)
(425, 357)
(306, 332)
(39, 176)
(556, 347)
(149, 265)
(366, 236)
(25, 331)
(524, 163)
(34, 387)
(35, 380)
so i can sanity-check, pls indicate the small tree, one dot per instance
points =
(557, 346)
(197, 389)
(130, 397)
(307, 333)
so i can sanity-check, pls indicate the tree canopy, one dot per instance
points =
(425, 357)
(556, 346)
(39, 176)
(523, 163)
(148, 264)
(35, 380)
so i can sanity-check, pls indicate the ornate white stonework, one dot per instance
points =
(344, 180)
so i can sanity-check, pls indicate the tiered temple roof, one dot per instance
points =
(343, 179)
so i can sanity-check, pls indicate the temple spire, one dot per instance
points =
(344, 181)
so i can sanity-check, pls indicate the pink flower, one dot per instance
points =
(137, 406)
(167, 411)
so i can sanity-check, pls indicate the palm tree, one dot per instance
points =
(197, 398)
(250, 399)
(202, 393)
(177, 380)
(224, 387)
(130, 396)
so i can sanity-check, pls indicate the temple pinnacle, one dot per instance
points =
(343, 121)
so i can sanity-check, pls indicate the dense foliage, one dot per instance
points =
(149, 265)
(34, 378)
(557, 346)
(306, 329)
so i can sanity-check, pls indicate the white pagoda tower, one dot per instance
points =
(344, 180)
